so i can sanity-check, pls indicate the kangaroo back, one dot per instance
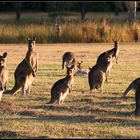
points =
(62, 87)
(134, 85)
(97, 74)
(114, 52)
(3, 73)
(25, 70)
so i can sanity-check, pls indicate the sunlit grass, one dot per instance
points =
(98, 27)
(104, 116)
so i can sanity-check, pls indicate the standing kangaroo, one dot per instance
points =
(62, 87)
(3, 73)
(135, 85)
(98, 74)
(68, 59)
(26, 70)
(114, 52)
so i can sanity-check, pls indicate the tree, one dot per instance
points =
(83, 10)
(118, 8)
(18, 6)
(131, 8)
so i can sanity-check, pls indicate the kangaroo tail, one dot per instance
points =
(13, 90)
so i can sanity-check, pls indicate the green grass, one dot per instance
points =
(104, 116)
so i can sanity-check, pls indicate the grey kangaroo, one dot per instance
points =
(68, 59)
(98, 74)
(114, 52)
(3, 73)
(62, 87)
(135, 85)
(26, 70)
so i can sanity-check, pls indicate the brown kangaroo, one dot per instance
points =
(26, 70)
(80, 71)
(114, 52)
(62, 87)
(98, 73)
(68, 59)
(3, 73)
(135, 85)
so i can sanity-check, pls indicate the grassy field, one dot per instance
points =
(104, 116)
(97, 27)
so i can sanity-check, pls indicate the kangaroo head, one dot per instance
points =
(116, 43)
(70, 69)
(79, 65)
(31, 43)
(3, 59)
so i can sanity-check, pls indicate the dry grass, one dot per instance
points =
(98, 27)
(104, 116)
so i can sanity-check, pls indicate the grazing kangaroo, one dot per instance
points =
(80, 71)
(135, 85)
(114, 52)
(26, 70)
(3, 73)
(62, 87)
(68, 59)
(97, 74)
(137, 100)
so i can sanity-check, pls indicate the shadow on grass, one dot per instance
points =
(69, 119)
(112, 106)
(9, 134)
(14, 135)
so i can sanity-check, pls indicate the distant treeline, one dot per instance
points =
(63, 6)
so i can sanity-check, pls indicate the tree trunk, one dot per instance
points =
(131, 7)
(83, 10)
(18, 10)
(118, 8)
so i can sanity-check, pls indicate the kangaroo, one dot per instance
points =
(3, 73)
(135, 85)
(68, 59)
(26, 70)
(62, 87)
(97, 74)
(80, 71)
(114, 52)
(137, 100)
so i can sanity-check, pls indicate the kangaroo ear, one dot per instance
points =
(5, 54)
(28, 38)
(34, 38)
(72, 67)
(89, 68)
(66, 66)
